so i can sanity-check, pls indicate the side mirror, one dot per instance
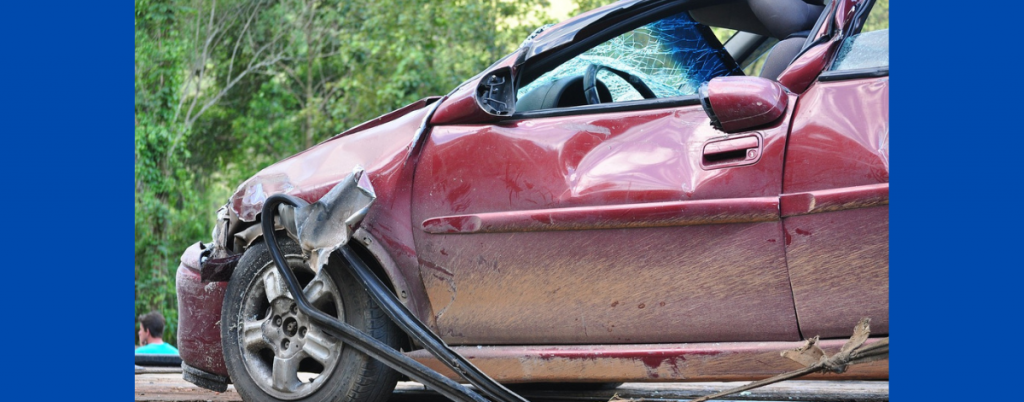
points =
(495, 93)
(489, 99)
(738, 103)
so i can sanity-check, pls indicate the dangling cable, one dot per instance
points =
(352, 336)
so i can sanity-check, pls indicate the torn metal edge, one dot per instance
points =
(324, 226)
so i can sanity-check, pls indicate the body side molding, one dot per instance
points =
(813, 202)
(658, 214)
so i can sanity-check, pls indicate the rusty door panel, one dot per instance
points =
(839, 264)
(507, 255)
(835, 206)
(631, 286)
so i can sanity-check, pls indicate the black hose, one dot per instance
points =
(352, 336)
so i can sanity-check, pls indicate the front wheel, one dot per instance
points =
(274, 352)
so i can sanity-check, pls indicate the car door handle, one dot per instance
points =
(726, 152)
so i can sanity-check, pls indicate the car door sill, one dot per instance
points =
(717, 361)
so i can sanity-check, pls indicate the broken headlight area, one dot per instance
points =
(320, 228)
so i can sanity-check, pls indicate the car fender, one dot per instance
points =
(386, 148)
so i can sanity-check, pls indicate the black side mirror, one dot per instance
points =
(495, 93)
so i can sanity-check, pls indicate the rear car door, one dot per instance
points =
(627, 221)
(835, 205)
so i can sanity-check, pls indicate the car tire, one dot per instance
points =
(274, 353)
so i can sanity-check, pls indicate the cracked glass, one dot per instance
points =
(672, 56)
(864, 50)
(870, 47)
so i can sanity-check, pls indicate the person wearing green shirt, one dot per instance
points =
(151, 332)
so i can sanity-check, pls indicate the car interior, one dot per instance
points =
(769, 35)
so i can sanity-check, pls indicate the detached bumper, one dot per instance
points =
(199, 323)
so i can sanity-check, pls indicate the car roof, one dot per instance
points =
(565, 32)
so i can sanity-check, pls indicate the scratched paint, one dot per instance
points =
(839, 264)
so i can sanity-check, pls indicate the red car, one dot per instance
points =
(623, 198)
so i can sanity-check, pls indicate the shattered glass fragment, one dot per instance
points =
(673, 56)
(864, 50)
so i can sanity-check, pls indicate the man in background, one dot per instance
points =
(151, 332)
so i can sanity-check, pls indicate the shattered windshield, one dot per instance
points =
(672, 56)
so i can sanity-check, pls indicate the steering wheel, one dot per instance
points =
(590, 83)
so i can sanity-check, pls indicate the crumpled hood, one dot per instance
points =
(379, 146)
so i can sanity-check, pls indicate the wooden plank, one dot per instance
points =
(164, 387)
(818, 391)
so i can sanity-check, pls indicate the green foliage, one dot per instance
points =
(224, 89)
(587, 5)
(878, 17)
(161, 196)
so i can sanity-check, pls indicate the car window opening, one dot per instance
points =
(672, 57)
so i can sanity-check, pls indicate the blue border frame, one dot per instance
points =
(67, 125)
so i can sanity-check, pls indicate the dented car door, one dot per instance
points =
(624, 217)
(601, 228)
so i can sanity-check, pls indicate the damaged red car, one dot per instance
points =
(623, 198)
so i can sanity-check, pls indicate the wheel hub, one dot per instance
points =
(286, 330)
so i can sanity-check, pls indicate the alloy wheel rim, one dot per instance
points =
(285, 354)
